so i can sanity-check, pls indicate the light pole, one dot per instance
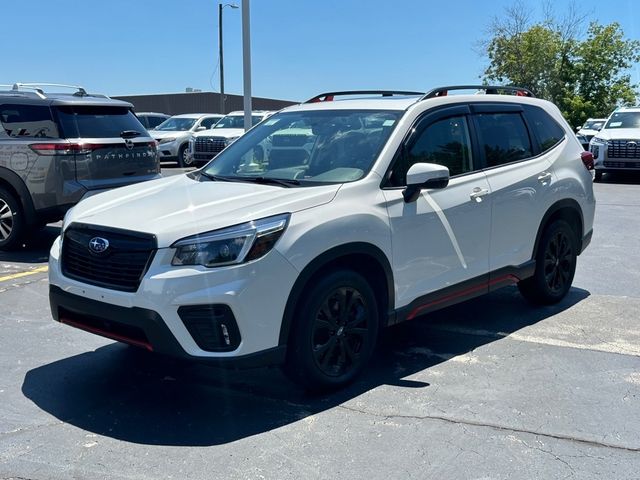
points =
(220, 7)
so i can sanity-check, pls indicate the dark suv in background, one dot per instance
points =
(58, 148)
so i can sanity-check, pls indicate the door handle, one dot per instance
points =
(478, 193)
(544, 177)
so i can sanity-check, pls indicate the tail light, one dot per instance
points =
(587, 160)
(69, 148)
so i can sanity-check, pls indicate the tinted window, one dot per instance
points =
(153, 122)
(445, 142)
(545, 128)
(176, 124)
(28, 121)
(237, 121)
(97, 122)
(209, 122)
(503, 138)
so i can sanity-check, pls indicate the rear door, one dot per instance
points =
(116, 149)
(520, 179)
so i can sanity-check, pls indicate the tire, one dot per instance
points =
(598, 176)
(555, 265)
(328, 349)
(12, 221)
(183, 159)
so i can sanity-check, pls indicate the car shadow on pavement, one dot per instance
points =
(621, 178)
(36, 248)
(128, 394)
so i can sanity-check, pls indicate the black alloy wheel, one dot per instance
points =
(335, 332)
(556, 261)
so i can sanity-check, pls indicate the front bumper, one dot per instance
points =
(150, 317)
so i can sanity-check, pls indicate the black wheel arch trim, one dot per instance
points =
(24, 197)
(324, 259)
(560, 205)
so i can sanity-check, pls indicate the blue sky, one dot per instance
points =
(299, 47)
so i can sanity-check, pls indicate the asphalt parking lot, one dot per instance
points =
(489, 389)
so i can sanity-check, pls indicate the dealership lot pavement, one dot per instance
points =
(489, 389)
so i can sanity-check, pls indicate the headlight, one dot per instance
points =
(599, 140)
(166, 140)
(233, 245)
(230, 140)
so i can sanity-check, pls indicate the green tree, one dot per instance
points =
(585, 77)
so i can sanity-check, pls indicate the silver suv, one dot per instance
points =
(58, 148)
(616, 147)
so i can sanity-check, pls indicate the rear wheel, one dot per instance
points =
(12, 221)
(335, 332)
(555, 265)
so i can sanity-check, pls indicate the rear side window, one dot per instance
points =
(28, 121)
(97, 122)
(153, 122)
(503, 138)
(546, 129)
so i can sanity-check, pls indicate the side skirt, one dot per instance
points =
(461, 292)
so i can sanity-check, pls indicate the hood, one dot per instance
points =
(220, 132)
(179, 206)
(160, 134)
(619, 133)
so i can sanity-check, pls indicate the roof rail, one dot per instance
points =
(329, 96)
(489, 89)
(80, 91)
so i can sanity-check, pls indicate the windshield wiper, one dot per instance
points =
(217, 178)
(130, 133)
(283, 182)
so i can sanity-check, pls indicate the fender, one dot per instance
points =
(324, 259)
(556, 207)
(24, 196)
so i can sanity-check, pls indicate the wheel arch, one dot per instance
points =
(364, 258)
(568, 210)
(15, 185)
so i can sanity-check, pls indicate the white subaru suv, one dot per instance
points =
(405, 204)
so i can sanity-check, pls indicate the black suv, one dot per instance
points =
(58, 148)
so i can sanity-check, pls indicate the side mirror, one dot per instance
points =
(599, 128)
(578, 128)
(424, 175)
(200, 128)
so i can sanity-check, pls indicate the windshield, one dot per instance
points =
(624, 120)
(236, 121)
(176, 124)
(97, 121)
(593, 125)
(319, 146)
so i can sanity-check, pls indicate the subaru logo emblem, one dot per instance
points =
(98, 245)
(128, 143)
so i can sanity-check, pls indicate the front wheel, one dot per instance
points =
(184, 159)
(335, 332)
(555, 265)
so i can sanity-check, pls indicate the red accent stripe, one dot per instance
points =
(505, 278)
(103, 333)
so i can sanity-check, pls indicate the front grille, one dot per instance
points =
(120, 267)
(210, 145)
(622, 164)
(624, 149)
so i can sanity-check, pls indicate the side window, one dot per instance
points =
(209, 122)
(503, 138)
(155, 121)
(546, 129)
(30, 121)
(445, 142)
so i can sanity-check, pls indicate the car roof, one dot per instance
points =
(196, 115)
(62, 99)
(627, 109)
(253, 112)
(153, 113)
